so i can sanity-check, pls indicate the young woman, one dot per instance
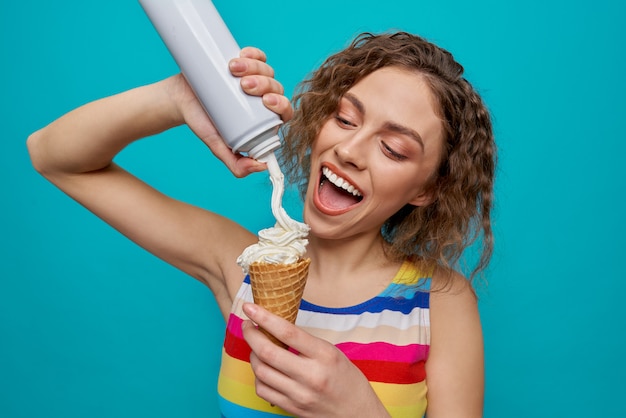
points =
(395, 157)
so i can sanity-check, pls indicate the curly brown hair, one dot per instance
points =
(463, 187)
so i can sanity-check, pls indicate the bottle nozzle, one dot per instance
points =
(264, 148)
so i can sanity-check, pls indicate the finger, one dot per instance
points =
(253, 52)
(306, 345)
(247, 66)
(270, 384)
(266, 357)
(272, 93)
(280, 104)
(280, 328)
(258, 340)
(260, 85)
(239, 165)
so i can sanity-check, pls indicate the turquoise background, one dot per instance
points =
(93, 326)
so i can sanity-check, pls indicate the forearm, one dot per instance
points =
(88, 138)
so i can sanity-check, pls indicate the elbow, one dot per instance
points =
(40, 154)
(33, 145)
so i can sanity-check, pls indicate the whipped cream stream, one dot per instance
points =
(286, 242)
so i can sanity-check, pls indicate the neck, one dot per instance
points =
(333, 259)
(348, 271)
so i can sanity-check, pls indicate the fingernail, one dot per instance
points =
(249, 308)
(270, 100)
(247, 83)
(236, 65)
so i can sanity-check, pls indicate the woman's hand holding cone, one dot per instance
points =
(313, 380)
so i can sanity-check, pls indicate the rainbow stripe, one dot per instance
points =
(386, 337)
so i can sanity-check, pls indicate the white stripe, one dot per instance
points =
(398, 320)
(333, 322)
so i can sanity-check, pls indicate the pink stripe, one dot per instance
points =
(384, 352)
(234, 325)
(379, 351)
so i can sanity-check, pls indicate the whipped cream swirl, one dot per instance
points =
(286, 242)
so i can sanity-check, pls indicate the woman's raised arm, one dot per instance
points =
(76, 153)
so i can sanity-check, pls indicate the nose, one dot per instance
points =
(352, 150)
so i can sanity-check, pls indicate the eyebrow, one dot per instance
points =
(390, 126)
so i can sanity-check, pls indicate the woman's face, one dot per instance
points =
(374, 155)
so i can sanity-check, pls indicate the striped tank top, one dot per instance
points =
(386, 337)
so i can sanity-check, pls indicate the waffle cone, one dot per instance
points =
(279, 288)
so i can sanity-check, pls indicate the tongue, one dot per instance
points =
(335, 197)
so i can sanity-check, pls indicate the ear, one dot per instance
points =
(424, 198)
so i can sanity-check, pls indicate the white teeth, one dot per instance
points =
(340, 182)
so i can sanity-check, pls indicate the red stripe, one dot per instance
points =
(376, 370)
(382, 351)
(236, 347)
(392, 372)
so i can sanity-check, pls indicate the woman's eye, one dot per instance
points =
(392, 153)
(343, 121)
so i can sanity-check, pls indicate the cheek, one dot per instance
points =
(405, 186)
(325, 136)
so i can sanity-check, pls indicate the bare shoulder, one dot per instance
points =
(455, 365)
(451, 290)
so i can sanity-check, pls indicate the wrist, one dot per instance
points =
(178, 95)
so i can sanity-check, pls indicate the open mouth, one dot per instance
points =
(336, 193)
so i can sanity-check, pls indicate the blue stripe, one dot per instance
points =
(398, 297)
(375, 305)
(406, 291)
(232, 410)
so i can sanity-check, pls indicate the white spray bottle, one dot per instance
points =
(202, 45)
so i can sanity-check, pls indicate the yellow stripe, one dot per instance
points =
(236, 370)
(395, 398)
(410, 272)
(407, 411)
(236, 384)
(245, 396)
